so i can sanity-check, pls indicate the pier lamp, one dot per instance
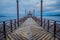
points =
(25, 12)
(34, 12)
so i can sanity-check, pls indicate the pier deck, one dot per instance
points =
(30, 30)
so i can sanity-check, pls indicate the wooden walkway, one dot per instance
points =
(30, 30)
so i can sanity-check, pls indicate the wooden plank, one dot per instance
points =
(31, 27)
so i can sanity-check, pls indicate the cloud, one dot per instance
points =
(10, 10)
(6, 2)
(49, 2)
(52, 11)
(9, 6)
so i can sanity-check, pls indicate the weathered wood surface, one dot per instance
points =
(30, 30)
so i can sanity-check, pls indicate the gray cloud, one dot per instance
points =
(9, 6)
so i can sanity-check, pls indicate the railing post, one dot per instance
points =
(15, 23)
(48, 26)
(41, 11)
(4, 29)
(44, 23)
(54, 29)
(17, 13)
(11, 25)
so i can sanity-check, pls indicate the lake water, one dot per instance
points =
(57, 18)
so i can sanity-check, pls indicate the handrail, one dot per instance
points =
(50, 24)
(46, 22)
(9, 24)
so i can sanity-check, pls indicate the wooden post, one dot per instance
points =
(54, 29)
(34, 13)
(17, 13)
(25, 12)
(11, 25)
(15, 23)
(4, 29)
(48, 26)
(41, 11)
(44, 23)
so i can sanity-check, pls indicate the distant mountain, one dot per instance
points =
(2, 16)
(52, 15)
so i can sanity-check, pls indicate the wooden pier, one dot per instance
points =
(30, 30)
(30, 27)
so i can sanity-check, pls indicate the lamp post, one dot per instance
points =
(25, 12)
(17, 13)
(34, 12)
(41, 10)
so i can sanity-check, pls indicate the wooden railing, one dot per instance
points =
(51, 26)
(9, 26)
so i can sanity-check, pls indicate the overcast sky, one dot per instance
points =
(8, 7)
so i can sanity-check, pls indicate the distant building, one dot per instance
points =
(29, 14)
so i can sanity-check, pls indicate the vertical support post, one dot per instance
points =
(15, 23)
(44, 23)
(4, 29)
(17, 13)
(25, 12)
(48, 26)
(11, 25)
(41, 11)
(54, 29)
(33, 13)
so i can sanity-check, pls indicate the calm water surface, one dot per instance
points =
(57, 18)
